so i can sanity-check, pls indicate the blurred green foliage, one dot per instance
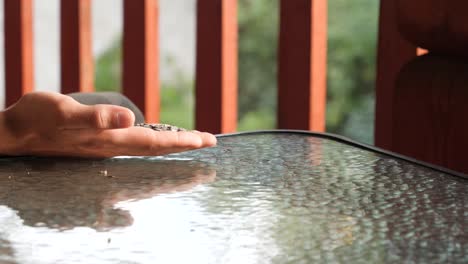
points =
(352, 37)
(108, 69)
(351, 70)
(176, 96)
(351, 67)
(258, 42)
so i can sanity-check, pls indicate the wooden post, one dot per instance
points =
(77, 66)
(393, 53)
(429, 109)
(302, 64)
(216, 73)
(19, 63)
(140, 56)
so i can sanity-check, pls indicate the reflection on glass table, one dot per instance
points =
(271, 197)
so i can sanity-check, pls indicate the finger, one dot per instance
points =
(150, 142)
(133, 141)
(208, 140)
(139, 141)
(101, 116)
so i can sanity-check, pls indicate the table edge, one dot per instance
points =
(354, 143)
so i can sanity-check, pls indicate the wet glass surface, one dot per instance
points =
(263, 198)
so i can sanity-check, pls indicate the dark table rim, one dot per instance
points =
(353, 143)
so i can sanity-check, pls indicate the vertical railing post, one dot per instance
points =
(19, 63)
(77, 65)
(393, 53)
(302, 64)
(216, 73)
(140, 56)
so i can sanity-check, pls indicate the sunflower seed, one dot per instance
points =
(161, 127)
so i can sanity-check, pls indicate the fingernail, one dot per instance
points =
(123, 119)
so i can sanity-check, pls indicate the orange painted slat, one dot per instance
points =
(393, 53)
(19, 63)
(302, 64)
(77, 65)
(421, 51)
(216, 73)
(140, 56)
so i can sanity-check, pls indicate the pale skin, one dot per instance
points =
(52, 124)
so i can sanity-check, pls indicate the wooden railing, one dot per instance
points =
(19, 64)
(302, 59)
(301, 76)
(393, 52)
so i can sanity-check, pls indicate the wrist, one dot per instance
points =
(9, 143)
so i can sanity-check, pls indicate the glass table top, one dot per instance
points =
(255, 198)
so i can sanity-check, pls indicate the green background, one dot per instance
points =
(352, 35)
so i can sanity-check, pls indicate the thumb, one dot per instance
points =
(99, 117)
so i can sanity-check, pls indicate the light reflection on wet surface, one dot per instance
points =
(269, 198)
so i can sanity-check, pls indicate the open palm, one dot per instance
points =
(52, 124)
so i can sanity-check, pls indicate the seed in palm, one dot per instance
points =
(161, 127)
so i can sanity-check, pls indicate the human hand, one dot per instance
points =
(52, 124)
